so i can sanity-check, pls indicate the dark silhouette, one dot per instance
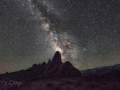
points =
(54, 68)
(56, 75)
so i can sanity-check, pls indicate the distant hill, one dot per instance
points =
(100, 71)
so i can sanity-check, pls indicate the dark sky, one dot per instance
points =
(86, 32)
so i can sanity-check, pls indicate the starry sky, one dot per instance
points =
(86, 32)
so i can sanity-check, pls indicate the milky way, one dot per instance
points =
(85, 32)
(59, 42)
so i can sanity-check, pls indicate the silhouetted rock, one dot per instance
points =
(57, 58)
(49, 62)
(67, 69)
(54, 68)
(34, 65)
(65, 73)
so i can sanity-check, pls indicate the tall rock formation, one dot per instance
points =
(57, 58)
(54, 68)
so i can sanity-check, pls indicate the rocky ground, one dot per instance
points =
(64, 84)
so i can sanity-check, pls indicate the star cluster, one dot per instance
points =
(86, 33)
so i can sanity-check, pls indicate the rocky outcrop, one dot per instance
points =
(49, 62)
(67, 69)
(57, 58)
(54, 68)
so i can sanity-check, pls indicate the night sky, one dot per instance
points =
(86, 32)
